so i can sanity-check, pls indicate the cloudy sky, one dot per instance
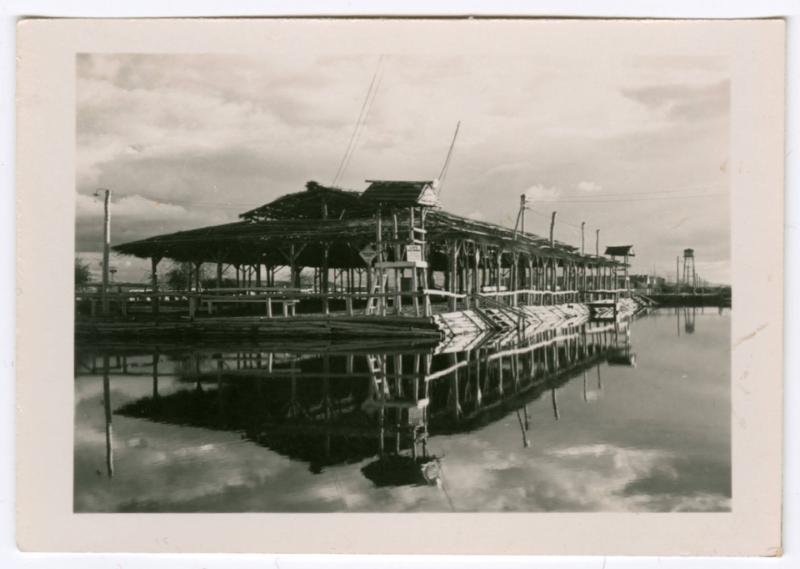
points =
(635, 146)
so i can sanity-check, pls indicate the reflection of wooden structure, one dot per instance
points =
(621, 354)
(333, 407)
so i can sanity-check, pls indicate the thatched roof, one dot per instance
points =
(620, 250)
(401, 193)
(267, 234)
(309, 204)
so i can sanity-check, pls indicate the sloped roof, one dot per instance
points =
(401, 193)
(308, 204)
(620, 250)
(265, 234)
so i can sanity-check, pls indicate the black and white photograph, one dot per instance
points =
(379, 283)
(481, 273)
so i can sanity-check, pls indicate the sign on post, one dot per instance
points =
(413, 253)
(368, 253)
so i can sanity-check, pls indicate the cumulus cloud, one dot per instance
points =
(239, 131)
(540, 192)
(684, 101)
(589, 187)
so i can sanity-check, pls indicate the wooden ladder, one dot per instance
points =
(377, 374)
(373, 302)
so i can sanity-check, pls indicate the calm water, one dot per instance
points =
(558, 422)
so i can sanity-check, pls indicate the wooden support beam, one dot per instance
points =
(154, 279)
(198, 268)
(453, 254)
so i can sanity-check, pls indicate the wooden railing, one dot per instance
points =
(287, 299)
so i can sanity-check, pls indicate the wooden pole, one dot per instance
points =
(398, 298)
(597, 243)
(108, 417)
(292, 266)
(583, 226)
(379, 272)
(154, 279)
(552, 248)
(106, 249)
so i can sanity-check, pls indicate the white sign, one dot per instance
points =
(413, 253)
(368, 253)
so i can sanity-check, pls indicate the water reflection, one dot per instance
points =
(340, 407)
(378, 411)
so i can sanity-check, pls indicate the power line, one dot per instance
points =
(361, 118)
(361, 130)
(633, 199)
(446, 164)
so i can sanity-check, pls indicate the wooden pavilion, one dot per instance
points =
(378, 246)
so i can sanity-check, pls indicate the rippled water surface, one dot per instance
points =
(633, 419)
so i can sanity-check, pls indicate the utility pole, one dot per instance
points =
(597, 243)
(583, 226)
(677, 271)
(106, 246)
(522, 204)
(554, 278)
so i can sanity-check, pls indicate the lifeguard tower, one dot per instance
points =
(399, 257)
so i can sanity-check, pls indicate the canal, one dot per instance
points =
(633, 417)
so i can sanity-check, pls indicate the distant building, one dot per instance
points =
(647, 283)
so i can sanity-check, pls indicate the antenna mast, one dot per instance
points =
(446, 165)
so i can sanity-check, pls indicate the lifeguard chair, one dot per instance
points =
(624, 251)
(403, 255)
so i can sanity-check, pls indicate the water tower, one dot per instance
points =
(689, 275)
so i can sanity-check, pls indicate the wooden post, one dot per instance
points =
(453, 264)
(514, 276)
(597, 243)
(553, 263)
(154, 279)
(498, 268)
(219, 274)
(398, 297)
(379, 272)
(292, 266)
(155, 374)
(197, 271)
(485, 254)
(108, 417)
(583, 226)
(106, 248)
(324, 274)
(415, 290)
(626, 287)
(476, 257)
(348, 303)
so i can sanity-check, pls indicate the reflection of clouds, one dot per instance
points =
(170, 468)
(653, 443)
(599, 477)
